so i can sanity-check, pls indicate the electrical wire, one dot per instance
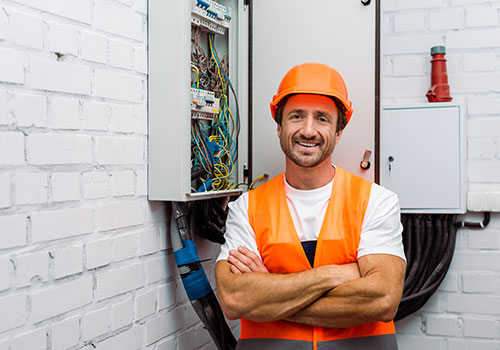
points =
(204, 304)
(429, 242)
(214, 144)
(261, 177)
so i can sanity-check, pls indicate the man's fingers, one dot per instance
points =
(235, 270)
(242, 267)
(241, 257)
(249, 254)
(252, 260)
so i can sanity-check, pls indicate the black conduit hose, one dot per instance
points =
(429, 243)
(206, 307)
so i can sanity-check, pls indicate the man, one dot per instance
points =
(313, 258)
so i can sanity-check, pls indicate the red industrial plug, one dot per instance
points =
(439, 90)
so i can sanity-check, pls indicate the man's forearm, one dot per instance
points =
(347, 305)
(269, 297)
(374, 297)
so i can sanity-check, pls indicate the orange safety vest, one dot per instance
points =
(282, 252)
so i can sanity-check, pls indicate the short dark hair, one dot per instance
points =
(341, 120)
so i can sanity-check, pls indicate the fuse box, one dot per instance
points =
(423, 156)
(194, 115)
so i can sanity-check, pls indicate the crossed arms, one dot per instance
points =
(338, 296)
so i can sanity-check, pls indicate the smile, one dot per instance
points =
(307, 144)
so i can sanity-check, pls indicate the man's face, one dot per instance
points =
(308, 129)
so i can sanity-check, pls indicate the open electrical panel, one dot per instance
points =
(194, 113)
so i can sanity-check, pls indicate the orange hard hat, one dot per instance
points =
(313, 78)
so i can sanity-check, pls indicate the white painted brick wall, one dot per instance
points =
(26, 30)
(47, 74)
(62, 223)
(117, 85)
(118, 21)
(67, 261)
(94, 47)
(5, 201)
(51, 149)
(12, 64)
(145, 304)
(463, 314)
(30, 110)
(15, 306)
(481, 16)
(66, 333)
(95, 323)
(31, 188)
(98, 253)
(130, 339)
(122, 314)
(96, 115)
(120, 54)
(5, 272)
(119, 281)
(31, 340)
(31, 267)
(65, 186)
(124, 247)
(61, 298)
(80, 250)
(11, 148)
(65, 113)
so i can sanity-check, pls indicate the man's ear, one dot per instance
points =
(278, 129)
(338, 134)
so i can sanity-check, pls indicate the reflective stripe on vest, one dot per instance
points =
(282, 252)
(376, 342)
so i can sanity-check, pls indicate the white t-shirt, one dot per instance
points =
(380, 232)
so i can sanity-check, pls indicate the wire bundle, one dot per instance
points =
(429, 243)
(205, 304)
(214, 144)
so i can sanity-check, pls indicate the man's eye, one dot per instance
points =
(295, 116)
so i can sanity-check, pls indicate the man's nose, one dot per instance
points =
(308, 127)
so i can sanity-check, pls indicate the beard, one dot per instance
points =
(306, 159)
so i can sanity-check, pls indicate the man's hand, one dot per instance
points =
(354, 298)
(244, 260)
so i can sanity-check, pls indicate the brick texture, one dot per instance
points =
(81, 250)
(463, 314)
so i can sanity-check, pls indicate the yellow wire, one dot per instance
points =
(257, 179)
(197, 77)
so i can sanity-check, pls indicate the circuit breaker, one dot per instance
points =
(194, 114)
(423, 156)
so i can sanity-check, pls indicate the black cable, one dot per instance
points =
(208, 219)
(469, 224)
(429, 242)
(206, 307)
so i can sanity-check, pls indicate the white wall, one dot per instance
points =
(464, 314)
(83, 255)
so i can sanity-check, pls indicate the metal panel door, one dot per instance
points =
(422, 157)
(340, 33)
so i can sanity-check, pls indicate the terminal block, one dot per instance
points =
(204, 104)
(210, 15)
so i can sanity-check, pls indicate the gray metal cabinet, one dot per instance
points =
(423, 156)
